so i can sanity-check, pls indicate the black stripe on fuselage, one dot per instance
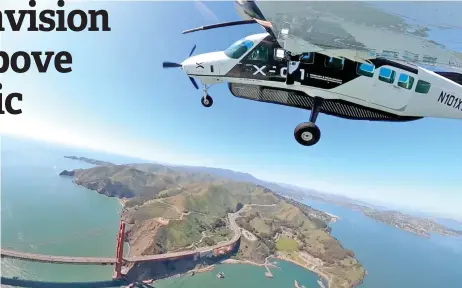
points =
(315, 73)
(453, 76)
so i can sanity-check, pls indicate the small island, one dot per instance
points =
(170, 209)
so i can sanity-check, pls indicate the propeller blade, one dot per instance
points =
(192, 50)
(194, 82)
(170, 65)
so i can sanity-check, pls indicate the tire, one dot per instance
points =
(307, 134)
(207, 101)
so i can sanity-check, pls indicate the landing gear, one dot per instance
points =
(307, 133)
(207, 101)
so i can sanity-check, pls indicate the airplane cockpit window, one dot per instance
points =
(237, 49)
(422, 87)
(337, 63)
(365, 69)
(260, 53)
(405, 81)
(387, 75)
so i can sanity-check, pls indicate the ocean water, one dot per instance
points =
(45, 213)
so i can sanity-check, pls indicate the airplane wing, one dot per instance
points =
(423, 33)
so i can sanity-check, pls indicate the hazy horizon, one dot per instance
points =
(121, 159)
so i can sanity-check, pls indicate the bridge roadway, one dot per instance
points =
(111, 261)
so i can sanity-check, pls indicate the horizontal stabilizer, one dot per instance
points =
(453, 76)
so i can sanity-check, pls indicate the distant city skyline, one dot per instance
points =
(119, 100)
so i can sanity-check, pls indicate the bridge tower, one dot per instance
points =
(119, 252)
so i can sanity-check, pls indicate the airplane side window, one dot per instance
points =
(365, 69)
(387, 75)
(422, 87)
(307, 58)
(259, 54)
(332, 62)
(405, 81)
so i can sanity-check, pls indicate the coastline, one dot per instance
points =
(320, 274)
(208, 268)
(122, 201)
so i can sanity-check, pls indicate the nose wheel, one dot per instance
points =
(307, 133)
(207, 101)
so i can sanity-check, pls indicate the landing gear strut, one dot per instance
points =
(307, 133)
(206, 100)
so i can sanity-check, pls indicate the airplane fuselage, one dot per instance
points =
(382, 90)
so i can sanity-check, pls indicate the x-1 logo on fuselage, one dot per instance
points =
(199, 65)
(259, 70)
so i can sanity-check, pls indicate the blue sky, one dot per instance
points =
(120, 100)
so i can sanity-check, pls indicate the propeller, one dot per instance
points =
(167, 64)
(170, 65)
(192, 51)
(194, 82)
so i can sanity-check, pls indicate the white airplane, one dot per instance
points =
(332, 66)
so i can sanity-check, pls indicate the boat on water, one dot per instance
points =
(221, 275)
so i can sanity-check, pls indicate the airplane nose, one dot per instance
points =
(188, 66)
(204, 64)
(194, 65)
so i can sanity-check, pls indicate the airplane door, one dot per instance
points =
(392, 88)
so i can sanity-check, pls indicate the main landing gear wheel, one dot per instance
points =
(307, 134)
(207, 101)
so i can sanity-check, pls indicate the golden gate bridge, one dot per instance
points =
(119, 260)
